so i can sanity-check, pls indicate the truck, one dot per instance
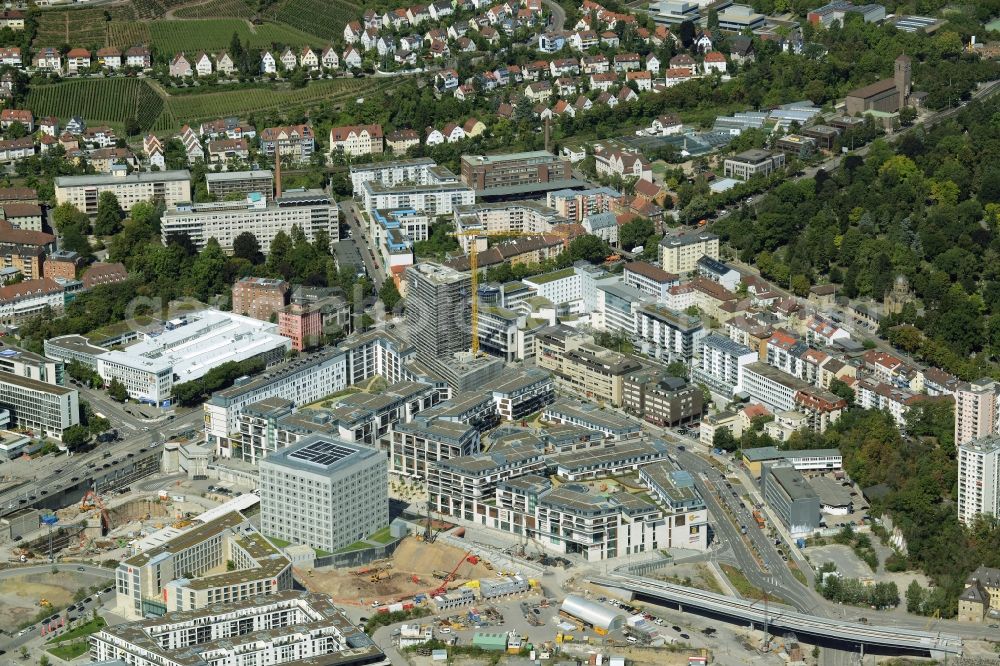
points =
(759, 517)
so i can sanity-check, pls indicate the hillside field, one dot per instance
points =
(116, 100)
(323, 18)
(101, 101)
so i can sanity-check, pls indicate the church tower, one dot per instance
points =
(901, 75)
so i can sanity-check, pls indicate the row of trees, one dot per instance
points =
(220, 377)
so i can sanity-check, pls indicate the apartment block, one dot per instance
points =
(416, 444)
(981, 598)
(575, 205)
(294, 142)
(521, 392)
(418, 171)
(668, 335)
(440, 195)
(978, 478)
(686, 515)
(781, 392)
(289, 627)
(650, 279)
(719, 363)
(312, 211)
(302, 380)
(465, 487)
(680, 254)
(582, 368)
(324, 492)
(663, 400)
(21, 301)
(612, 425)
(170, 187)
(976, 410)
(223, 184)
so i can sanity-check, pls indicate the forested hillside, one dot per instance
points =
(926, 207)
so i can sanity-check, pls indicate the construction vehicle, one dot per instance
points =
(473, 253)
(91, 500)
(441, 589)
(759, 517)
(45, 603)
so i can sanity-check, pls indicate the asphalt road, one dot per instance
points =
(558, 20)
(352, 215)
(43, 472)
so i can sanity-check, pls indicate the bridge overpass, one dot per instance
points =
(780, 619)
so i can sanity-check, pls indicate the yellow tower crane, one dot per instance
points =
(474, 268)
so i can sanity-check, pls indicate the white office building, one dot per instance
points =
(978, 478)
(324, 492)
(312, 211)
(38, 407)
(170, 187)
(186, 349)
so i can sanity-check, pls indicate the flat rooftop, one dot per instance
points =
(610, 455)
(185, 540)
(228, 176)
(532, 155)
(511, 381)
(603, 419)
(276, 374)
(460, 404)
(793, 483)
(135, 177)
(676, 484)
(319, 615)
(395, 164)
(199, 342)
(321, 454)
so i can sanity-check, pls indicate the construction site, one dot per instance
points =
(416, 567)
(102, 526)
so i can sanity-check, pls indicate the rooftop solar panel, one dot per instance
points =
(323, 453)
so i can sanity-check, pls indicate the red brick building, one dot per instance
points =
(259, 298)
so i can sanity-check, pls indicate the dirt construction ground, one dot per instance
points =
(19, 596)
(412, 558)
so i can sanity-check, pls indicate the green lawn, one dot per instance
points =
(743, 585)
(357, 545)
(382, 536)
(70, 651)
(280, 543)
(83, 630)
